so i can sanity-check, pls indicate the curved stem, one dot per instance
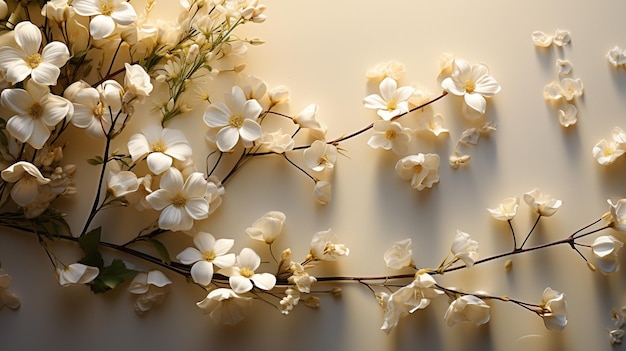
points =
(530, 232)
(94, 207)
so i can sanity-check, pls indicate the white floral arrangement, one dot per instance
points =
(90, 66)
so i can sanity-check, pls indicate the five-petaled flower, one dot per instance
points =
(543, 204)
(27, 179)
(162, 145)
(107, 13)
(474, 83)
(392, 101)
(467, 308)
(506, 210)
(421, 169)
(553, 309)
(225, 306)
(25, 60)
(242, 274)
(208, 252)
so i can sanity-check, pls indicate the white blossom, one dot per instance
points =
(320, 155)
(605, 250)
(107, 13)
(324, 247)
(76, 273)
(392, 101)
(225, 306)
(554, 309)
(150, 288)
(465, 248)
(242, 275)
(474, 83)
(400, 255)
(208, 252)
(542, 203)
(506, 210)
(27, 179)
(421, 169)
(467, 308)
(268, 227)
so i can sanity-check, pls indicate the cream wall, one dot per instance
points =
(321, 50)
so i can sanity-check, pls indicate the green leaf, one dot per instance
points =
(161, 250)
(89, 243)
(111, 276)
(95, 161)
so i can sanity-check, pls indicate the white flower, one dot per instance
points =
(464, 248)
(617, 218)
(543, 204)
(320, 155)
(37, 112)
(392, 69)
(27, 179)
(392, 101)
(457, 160)
(605, 250)
(467, 308)
(606, 152)
(180, 202)
(107, 13)
(616, 335)
(292, 297)
(150, 288)
(408, 299)
(399, 255)
(136, 83)
(236, 118)
(307, 118)
(505, 210)
(26, 60)
(554, 309)
(300, 278)
(4, 9)
(421, 169)
(7, 298)
(138, 198)
(58, 11)
(541, 39)
(616, 56)
(322, 192)
(552, 91)
(208, 252)
(161, 144)
(76, 273)
(434, 124)
(96, 109)
(278, 95)
(277, 141)
(562, 37)
(225, 306)
(122, 183)
(268, 227)
(564, 67)
(242, 275)
(323, 247)
(390, 136)
(473, 82)
(567, 115)
(572, 88)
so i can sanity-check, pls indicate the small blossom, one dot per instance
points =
(277, 141)
(554, 309)
(149, 286)
(268, 227)
(27, 181)
(421, 169)
(446, 65)
(162, 145)
(564, 67)
(572, 88)
(58, 11)
(505, 210)
(300, 278)
(617, 218)
(278, 95)
(76, 273)
(567, 115)
(467, 308)
(552, 91)
(322, 192)
(543, 204)
(307, 118)
(7, 298)
(605, 251)
(562, 37)
(464, 248)
(473, 82)
(434, 124)
(225, 306)
(392, 101)
(208, 252)
(25, 60)
(457, 160)
(606, 152)
(616, 336)
(107, 14)
(121, 183)
(616, 56)
(541, 39)
(242, 275)
(392, 69)
(323, 247)
(390, 136)
(400, 255)
(136, 83)
(320, 155)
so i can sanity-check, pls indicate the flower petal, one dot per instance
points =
(158, 162)
(45, 74)
(250, 131)
(101, 26)
(55, 53)
(189, 255)
(202, 272)
(240, 284)
(227, 138)
(124, 14)
(476, 102)
(28, 37)
(197, 208)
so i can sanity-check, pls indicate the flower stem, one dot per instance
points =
(530, 232)
(94, 207)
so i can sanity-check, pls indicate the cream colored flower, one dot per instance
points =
(320, 155)
(307, 118)
(541, 39)
(392, 101)
(474, 83)
(562, 37)
(323, 247)
(572, 88)
(136, 83)
(208, 252)
(506, 210)
(567, 115)
(76, 273)
(564, 67)
(400, 255)
(542, 203)
(467, 308)
(7, 298)
(605, 250)
(322, 192)
(421, 169)
(162, 145)
(106, 14)
(25, 60)
(37, 112)
(434, 124)
(96, 109)
(225, 306)
(58, 11)
(390, 136)
(552, 91)
(616, 56)
(464, 248)
(122, 183)
(606, 152)
(27, 181)
(150, 288)
(268, 227)
(457, 160)
(277, 141)
(300, 278)
(617, 213)
(278, 95)
(242, 275)
(392, 69)
(554, 309)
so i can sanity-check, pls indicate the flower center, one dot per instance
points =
(390, 134)
(208, 255)
(179, 201)
(159, 146)
(469, 86)
(418, 168)
(392, 105)
(235, 121)
(246, 272)
(106, 7)
(36, 111)
(608, 152)
(98, 111)
(323, 161)
(33, 61)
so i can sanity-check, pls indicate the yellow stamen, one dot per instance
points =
(246, 272)
(36, 111)
(235, 121)
(107, 7)
(469, 86)
(179, 201)
(33, 61)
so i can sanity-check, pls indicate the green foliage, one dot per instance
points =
(95, 161)
(89, 243)
(161, 250)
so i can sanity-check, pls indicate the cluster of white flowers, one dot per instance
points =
(607, 151)
(560, 38)
(616, 333)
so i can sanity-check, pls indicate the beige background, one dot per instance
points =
(321, 50)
